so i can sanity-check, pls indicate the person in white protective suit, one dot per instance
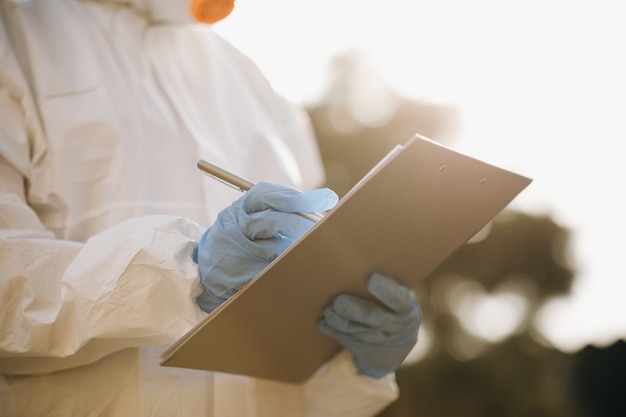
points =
(106, 237)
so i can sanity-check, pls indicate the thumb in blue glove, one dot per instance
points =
(249, 234)
(378, 337)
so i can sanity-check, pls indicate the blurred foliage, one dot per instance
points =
(465, 375)
(517, 263)
(513, 379)
(598, 384)
(352, 138)
(518, 255)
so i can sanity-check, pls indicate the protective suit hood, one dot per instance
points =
(165, 11)
(172, 11)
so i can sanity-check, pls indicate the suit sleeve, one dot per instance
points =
(68, 303)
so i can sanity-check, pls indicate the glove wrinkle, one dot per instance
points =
(251, 233)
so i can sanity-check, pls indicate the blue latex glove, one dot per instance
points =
(249, 234)
(378, 338)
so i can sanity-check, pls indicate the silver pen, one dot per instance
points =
(241, 184)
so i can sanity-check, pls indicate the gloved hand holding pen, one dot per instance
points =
(249, 234)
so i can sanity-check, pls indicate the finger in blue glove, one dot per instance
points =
(251, 233)
(379, 337)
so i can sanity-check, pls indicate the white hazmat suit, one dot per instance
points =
(105, 108)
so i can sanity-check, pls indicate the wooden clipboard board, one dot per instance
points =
(410, 213)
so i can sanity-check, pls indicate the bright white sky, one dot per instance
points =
(541, 86)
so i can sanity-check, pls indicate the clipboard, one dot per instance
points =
(403, 219)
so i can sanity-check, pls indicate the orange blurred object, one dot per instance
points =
(211, 11)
